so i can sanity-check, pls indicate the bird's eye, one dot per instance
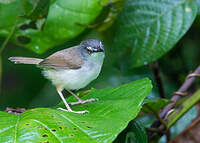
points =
(89, 49)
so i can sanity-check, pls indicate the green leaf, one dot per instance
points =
(152, 27)
(154, 104)
(108, 15)
(137, 134)
(107, 117)
(36, 9)
(65, 21)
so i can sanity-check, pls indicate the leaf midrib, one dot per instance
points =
(16, 127)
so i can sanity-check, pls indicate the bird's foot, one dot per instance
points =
(78, 112)
(83, 101)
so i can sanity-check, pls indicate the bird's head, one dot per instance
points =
(92, 49)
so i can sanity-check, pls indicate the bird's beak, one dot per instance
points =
(100, 49)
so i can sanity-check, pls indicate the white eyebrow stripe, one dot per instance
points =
(101, 44)
(89, 48)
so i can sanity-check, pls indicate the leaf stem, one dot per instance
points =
(185, 106)
(9, 36)
(157, 116)
(155, 69)
(154, 130)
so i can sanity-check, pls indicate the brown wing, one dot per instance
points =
(64, 59)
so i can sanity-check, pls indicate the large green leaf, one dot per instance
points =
(65, 21)
(152, 27)
(107, 117)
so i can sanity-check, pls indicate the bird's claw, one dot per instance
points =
(84, 101)
(78, 112)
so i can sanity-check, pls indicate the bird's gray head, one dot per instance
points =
(92, 49)
(92, 46)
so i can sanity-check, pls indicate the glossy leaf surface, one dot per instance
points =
(107, 117)
(152, 27)
(65, 20)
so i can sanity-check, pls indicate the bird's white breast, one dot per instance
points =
(74, 79)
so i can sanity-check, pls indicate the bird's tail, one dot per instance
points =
(25, 60)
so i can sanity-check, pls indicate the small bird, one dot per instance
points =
(71, 69)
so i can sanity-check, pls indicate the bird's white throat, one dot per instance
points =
(97, 57)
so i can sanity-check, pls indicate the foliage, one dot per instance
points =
(106, 118)
(134, 33)
(65, 20)
(152, 27)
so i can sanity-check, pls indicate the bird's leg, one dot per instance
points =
(66, 104)
(80, 101)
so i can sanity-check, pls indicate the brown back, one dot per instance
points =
(64, 59)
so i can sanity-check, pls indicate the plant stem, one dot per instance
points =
(187, 131)
(185, 106)
(157, 116)
(168, 135)
(154, 130)
(155, 68)
(9, 36)
(187, 84)
(177, 113)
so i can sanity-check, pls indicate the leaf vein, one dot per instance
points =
(16, 127)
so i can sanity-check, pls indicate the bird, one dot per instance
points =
(71, 69)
